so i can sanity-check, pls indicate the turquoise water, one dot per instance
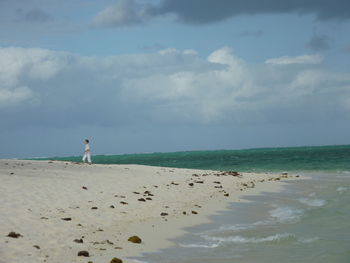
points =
(325, 158)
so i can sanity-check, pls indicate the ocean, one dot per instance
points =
(309, 221)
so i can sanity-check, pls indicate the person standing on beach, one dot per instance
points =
(87, 153)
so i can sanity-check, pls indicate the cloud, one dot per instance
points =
(129, 12)
(35, 15)
(206, 11)
(57, 89)
(123, 13)
(286, 60)
(22, 68)
(319, 43)
(10, 97)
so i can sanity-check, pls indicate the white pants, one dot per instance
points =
(87, 156)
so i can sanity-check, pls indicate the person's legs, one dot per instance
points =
(84, 157)
(89, 157)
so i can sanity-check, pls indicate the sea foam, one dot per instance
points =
(312, 202)
(287, 214)
(214, 245)
(241, 239)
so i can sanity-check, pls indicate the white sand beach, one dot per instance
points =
(61, 208)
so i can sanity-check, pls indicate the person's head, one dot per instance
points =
(86, 141)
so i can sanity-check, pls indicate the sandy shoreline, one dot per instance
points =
(106, 204)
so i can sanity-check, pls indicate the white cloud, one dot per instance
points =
(176, 51)
(21, 67)
(171, 85)
(123, 13)
(305, 59)
(15, 96)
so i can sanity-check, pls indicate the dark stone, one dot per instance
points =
(163, 214)
(116, 260)
(137, 193)
(36, 246)
(14, 235)
(190, 184)
(84, 187)
(94, 207)
(194, 212)
(148, 198)
(83, 253)
(111, 206)
(78, 240)
(227, 194)
(67, 218)
(123, 203)
(135, 239)
(184, 213)
(218, 186)
(216, 182)
(141, 200)
(199, 182)
(109, 242)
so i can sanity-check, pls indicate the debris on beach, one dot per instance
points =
(67, 218)
(135, 239)
(94, 207)
(14, 235)
(79, 240)
(194, 212)
(249, 185)
(163, 214)
(116, 260)
(226, 173)
(36, 246)
(84, 187)
(83, 253)
(141, 199)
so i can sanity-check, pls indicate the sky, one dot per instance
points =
(139, 76)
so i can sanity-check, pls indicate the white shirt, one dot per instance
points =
(87, 147)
